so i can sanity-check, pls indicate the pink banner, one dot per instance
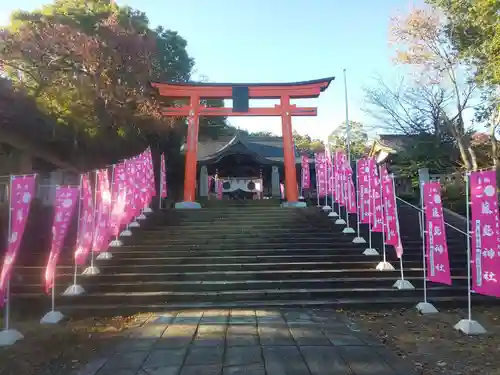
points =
(22, 192)
(163, 187)
(119, 199)
(364, 191)
(132, 192)
(338, 180)
(351, 191)
(436, 247)
(86, 222)
(210, 181)
(485, 230)
(282, 191)
(330, 188)
(150, 175)
(65, 202)
(376, 201)
(102, 228)
(306, 176)
(392, 236)
(321, 171)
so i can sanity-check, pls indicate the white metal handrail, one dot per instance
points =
(420, 210)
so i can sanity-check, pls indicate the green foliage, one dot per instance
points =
(357, 135)
(453, 194)
(474, 29)
(87, 64)
(305, 143)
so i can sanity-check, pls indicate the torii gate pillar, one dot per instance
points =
(241, 94)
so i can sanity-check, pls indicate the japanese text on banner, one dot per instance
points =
(485, 231)
(306, 177)
(65, 203)
(364, 186)
(321, 174)
(21, 194)
(435, 245)
(86, 222)
(392, 235)
(377, 221)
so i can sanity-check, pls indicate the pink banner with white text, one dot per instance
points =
(485, 231)
(86, 222)
(436, 248)
(321, 174)
(103, 203)
(306, 174)
(338, 178)
(65, 203)
(376, 204)
(22, 192)
(364, 189)
(392, 235)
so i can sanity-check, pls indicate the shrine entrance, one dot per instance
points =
(240, 94)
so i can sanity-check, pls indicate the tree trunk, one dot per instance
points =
(464, 155)
(473, 158)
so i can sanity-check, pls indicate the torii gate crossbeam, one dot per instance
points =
(240, 93)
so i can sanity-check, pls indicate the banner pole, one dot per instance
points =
(75, 289)
(384, 265)
(469, 326)
(116, 242)
(9, 234)
(348, 229)
(326, 207)
(370, 250)
(340, 221)
(317, 182)
(333, 213)
(161, 182)
(400, 284)
(424, 232)
(424, 307)
(106, 255)
(93, 270)
(358, 238)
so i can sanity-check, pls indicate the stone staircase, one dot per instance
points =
(241, 254)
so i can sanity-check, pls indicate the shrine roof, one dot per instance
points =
(268, 149)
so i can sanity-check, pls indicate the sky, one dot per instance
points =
(280, 41)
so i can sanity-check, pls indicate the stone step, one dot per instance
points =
(260, 255)
(137, 286)
(143, 274)
(148, 297)
(251, 266)
(153, 251)
(356, 260)
(340, 303)
(256, 284)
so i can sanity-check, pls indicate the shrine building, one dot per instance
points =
(250, 167)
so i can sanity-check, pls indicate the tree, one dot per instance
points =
(473, 26)
(357, 135)
(304, 143)
(408, 108)
(424, 44)
(88, 65)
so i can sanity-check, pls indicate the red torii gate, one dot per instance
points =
(240, 93)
